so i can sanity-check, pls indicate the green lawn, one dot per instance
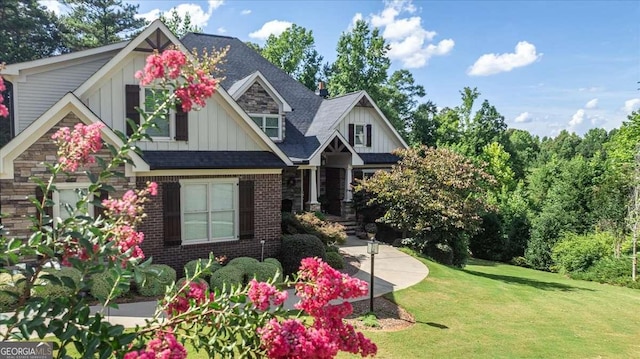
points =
(490, 310)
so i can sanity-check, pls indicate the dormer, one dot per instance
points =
(260, 100)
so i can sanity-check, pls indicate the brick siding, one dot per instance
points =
(267, 196)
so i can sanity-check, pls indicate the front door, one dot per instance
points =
(332, 191)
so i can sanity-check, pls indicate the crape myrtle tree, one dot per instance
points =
(435, 195)
(246, 322)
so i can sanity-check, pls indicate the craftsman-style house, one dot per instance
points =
(264, 143)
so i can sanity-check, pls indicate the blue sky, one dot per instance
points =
(546, 66)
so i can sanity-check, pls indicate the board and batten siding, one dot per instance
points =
(382, 140)
(38, 91)
(216, 127)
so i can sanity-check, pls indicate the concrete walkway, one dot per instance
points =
(393, 271)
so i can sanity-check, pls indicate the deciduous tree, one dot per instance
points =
(179, 25)
(294, 52)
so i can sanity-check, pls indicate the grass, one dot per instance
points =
(491, 310)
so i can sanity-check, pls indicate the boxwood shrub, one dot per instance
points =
(158, 277)
(275, 262)
(335, 260)
(226, 277)
(100, 287)
(296, 247)
(12, 284)
(190, 268)
(46, 289)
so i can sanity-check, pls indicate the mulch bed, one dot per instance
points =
(391, 317)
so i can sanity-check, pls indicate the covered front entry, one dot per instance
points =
(334, 193)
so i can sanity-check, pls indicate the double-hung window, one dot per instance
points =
(359, 135)
(149, 98)
(270, 124)
(66, 198)
(209, 210)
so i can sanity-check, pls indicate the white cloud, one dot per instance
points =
(581, 122)
(52, 5)
(409, 41)
(631, 105)
(592, 104)
(590, 89)
(273, 27)
(491, 64)
(199, 16)
(357, 17)
(222, 30)
(524, 117)
(245, 12)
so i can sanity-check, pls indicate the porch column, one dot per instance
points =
(302, 190)
(349, 178)
(313, 183)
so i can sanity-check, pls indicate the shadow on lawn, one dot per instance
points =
(554, 286)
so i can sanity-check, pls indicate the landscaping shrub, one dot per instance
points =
(12, 284)
(609, 270)
(158, 277)
(335, 260)
(46, 289)
(243, 262)
(576, 253)
(309, 223)
(439, 252)
(226, 277)
(276, 263)
(263, 272)
(101, 288)
(489, 243)
(190, 268)
(296, 247)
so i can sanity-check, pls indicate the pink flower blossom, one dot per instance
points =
(196, 292)
(152, 187)
(263, 294)
(165, 346)
(75, 147)
(4, 111)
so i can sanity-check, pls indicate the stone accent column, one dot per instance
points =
(313, 191)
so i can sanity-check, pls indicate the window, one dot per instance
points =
(270, 124)
(359, 135)
(150, 97)
(69, 194)
(209, 210)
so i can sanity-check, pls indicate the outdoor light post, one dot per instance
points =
(372, 249)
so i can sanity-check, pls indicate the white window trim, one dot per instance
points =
(236, 204)
(57, 209)
(355, 135)
(172, 114)
(264, 121)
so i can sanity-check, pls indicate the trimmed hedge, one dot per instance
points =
(45, 289)
(335, 260)
(13, 284)
(226, 277)
(296, 247)
(243, 262)
(276, 263)
(190, 267)
(181, 281)
(101, 288)
(310, 223)
(159, 276)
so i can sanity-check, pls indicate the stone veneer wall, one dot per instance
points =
(267, 197)
(257, 100)
(14, 193)
(292, 188)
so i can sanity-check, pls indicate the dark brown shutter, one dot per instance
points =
(247, 217)
(351, 134)
(98, 209)
(171, 213)
(182, 124)
(369, 135)
(48, 210)
(132, 102)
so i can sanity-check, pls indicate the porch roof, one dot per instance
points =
(379, 158)
(212, 159)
